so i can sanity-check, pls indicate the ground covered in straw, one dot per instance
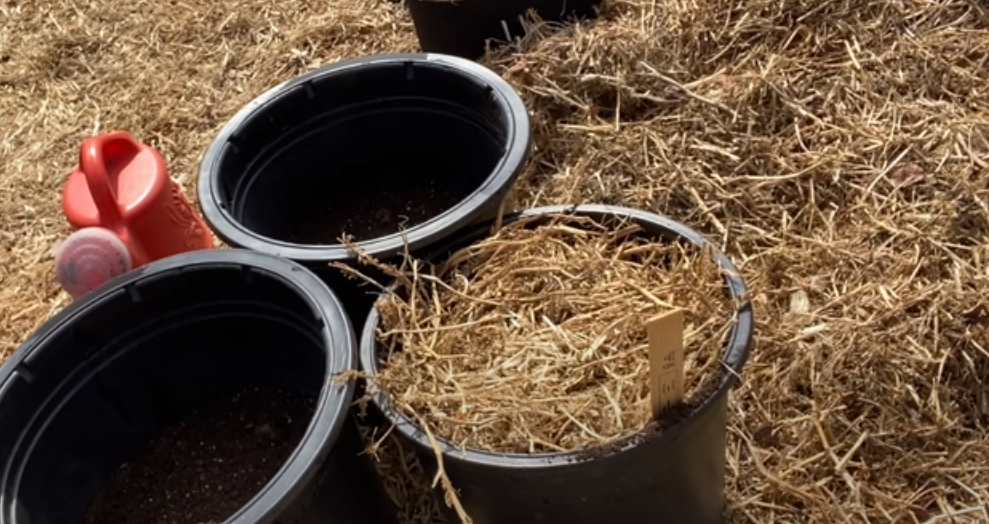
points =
(836, 150)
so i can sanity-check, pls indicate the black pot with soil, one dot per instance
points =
(572, 438)
(397, 151)
(204, 387)
(465, 27)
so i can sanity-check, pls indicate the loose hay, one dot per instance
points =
(535, 340)
(405, 481)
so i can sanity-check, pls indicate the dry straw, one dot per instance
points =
(534, 340)
(835, 150)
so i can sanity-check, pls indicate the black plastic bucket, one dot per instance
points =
(676, 476)
(93, 386)
(462, 28)
(427, 142)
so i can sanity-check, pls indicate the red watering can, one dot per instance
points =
(126, 211)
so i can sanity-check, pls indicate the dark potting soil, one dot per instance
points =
(206, 467)
(374, 215)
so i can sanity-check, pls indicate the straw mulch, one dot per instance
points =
(836, 150)
(535, 339)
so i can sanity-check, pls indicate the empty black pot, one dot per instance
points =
(675, 476)
(95, 384)
(369, 146)
(462, 28)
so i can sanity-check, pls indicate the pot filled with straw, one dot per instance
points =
(565, 365)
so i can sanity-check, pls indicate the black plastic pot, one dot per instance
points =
(462, 28)
(674, 476)
(93, 385)
(355, 134)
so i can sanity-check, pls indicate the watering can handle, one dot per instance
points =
(92, 164)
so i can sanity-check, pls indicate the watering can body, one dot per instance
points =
(123, 186)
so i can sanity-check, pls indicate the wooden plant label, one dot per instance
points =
(666, 360)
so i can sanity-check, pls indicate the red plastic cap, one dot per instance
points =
(89, 258)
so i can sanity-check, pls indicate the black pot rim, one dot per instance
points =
(735, 355)
(233, 233)
(332, 408)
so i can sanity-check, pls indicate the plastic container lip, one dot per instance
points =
(517, 147)
(333, 405)
(735, 355)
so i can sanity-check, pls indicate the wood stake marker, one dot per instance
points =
(665, 360)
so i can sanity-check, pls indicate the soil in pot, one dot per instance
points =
(207, 466)
(534, 340)
(364, 147)
(93, 387)
(395, 151)
(390, 210)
